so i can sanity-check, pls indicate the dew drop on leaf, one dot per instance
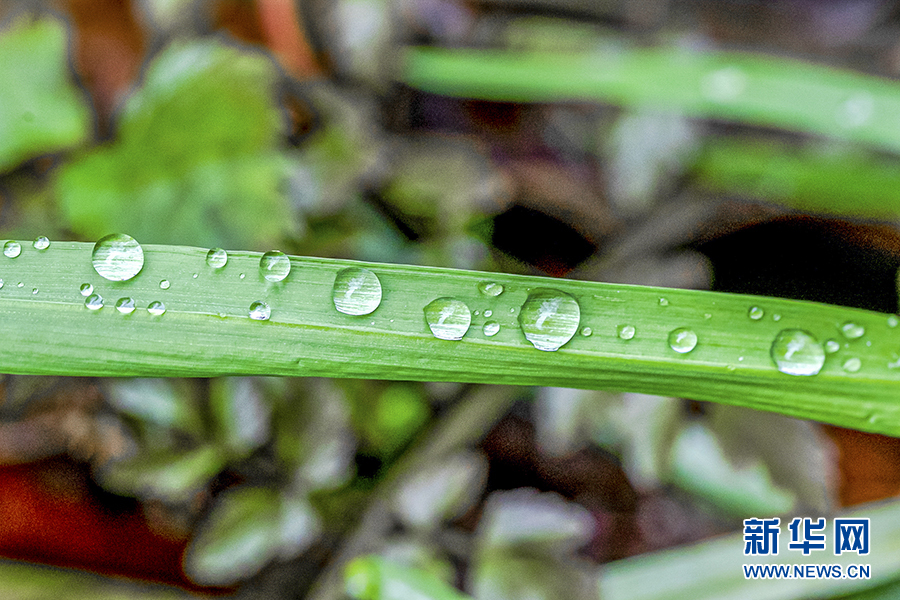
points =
(490, 288)
(41, 243)
(118, 257)
(216, 258)
(164, 284)
(86, 289)
(892, 321)
(447, 318)
(796, 352)
(274, 266)
(853, 331)
(12, 249)
(356, 291)
(625, 332)
(260, 311)
(125, 305)
(156, 308)
(682, 340)
(488, 313)
(34, 291)
(549, 318)
(663, 302)
(832, 346)
(756, 313)
(852, 364)
(587, 331)
(491, 328)
(93, 302)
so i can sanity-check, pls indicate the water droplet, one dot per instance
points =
(756, 313)
(241, 276)
(853, 331)
(118, 257)
(512, 311)
(195, 275)
(731, 367)
(776, 317)
(1, 283)
(832, 346)
(587, 332)
(274, 266)
(663, 302)
(20, 285)
(93, 302)
(448, 319)
(12, 249)
(356, 291)
(625, 332)
(125, 305)
(488, 313)
(86, 289)
(164, 284)
(34, 291)
(707, 316)
(740, 359)
(549, 318)
(491, 328)
(216, 258)
(41, 243)
(490, 288)
(796, 352)
(260, 311)
(892, 321)
(682, 340)
(852, 364)
(476, 313)
(156, 308)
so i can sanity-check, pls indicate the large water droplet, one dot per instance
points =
(796, 352)
(12, 249)
(853, 331)
(356, 291)
(156, 308)
(852, 364)
(490, 288)
(682, 340)
(756, 313)
(125, 305)
(216, 258)
(164, 284)
(86, 289)
(41, 243)
(832, 346)
(549, 318)
(625, 332)
(491, 328)
(274, 266)
(118, 257)
(260, 311)
(448, 319)
(93, 302)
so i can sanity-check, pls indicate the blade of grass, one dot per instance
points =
(713, 569)
(731, 86)
(46, 329)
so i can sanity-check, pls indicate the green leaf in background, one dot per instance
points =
(374, 578)
(196, 155)
(166, 474)
(247, 528)
(242, 414)
(166, 403)
(41, 110)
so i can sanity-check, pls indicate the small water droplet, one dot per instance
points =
(476, 313)
(488, 313)
(356, 291)
(587, 331)
(93, 302)
(274, 266)
(625, 332)
(731, 367)
(549, 318)
(892, 321)
(852, 364)
(1, 283)
(491, 328)
(117, 257)
(776, 317)
(796, 352)
(512, 311)
(12, 249)
(195, 275)
(740, 359)
(853, 331)
(216, 258)
(156, 308)
(447, 318)
(868, 344)
(125, 305)
(707, 316)
(260, 311)
(682, 340)
(86, 289)
(832, 346)
(241, 276)
(20, 285)
(756, 313)
(164, 284)
(663, 302)
(34, 291)
(41, 243)
(490, 288)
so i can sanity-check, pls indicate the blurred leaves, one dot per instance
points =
(163, 403)
(165, 474)
(41, 111)
(196, 150)
(375, 578)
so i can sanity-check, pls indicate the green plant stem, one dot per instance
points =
(206, 332)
